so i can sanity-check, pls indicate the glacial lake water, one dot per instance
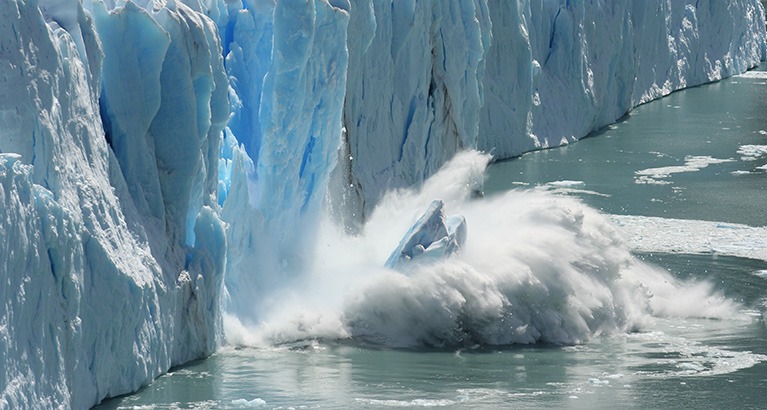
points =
(691, 166)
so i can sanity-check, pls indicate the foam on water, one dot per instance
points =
(660, 175)
(407, 403)
(653, 234)
(752, 152)
(754, 74)
(683, 357)
(536, 267)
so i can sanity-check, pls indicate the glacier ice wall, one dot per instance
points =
(287, 65)
(541, 72)
(148, 148)
(588, 63)
(414, 90)
(102, 288)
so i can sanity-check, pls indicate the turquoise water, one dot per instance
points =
(674, 363)
(713, 120)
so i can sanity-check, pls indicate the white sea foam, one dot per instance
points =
(752, 152)
(754, 74)
(652, 234)
(537, 267)
(685, 357)
(566, 183)
(659, 176)
(406, 403)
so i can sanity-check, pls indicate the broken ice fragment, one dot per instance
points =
(433, 236)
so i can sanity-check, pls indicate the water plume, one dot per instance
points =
(537, 267)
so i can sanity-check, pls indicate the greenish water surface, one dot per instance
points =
(710, 136)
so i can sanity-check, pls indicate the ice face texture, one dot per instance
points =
(102, 289)
(163, 160)
(287, 63)
(427, 78)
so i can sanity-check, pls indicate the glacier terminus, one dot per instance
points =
(166, 167)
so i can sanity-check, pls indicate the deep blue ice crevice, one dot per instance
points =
(194, 102)
(247, 30)
(134, 46)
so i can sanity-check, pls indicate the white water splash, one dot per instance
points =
(537, 267)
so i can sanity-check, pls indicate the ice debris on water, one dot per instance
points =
(433, 235)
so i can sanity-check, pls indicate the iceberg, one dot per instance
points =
(164, 161)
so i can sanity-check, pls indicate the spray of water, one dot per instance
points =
(537, 267)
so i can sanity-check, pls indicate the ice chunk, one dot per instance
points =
(432, 236)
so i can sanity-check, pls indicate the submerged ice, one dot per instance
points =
(164, 161)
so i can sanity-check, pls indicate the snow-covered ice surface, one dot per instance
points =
(148, 149)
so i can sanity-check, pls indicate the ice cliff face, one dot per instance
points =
(591, 62)
(427, 78)
(162, 159)
(103, 286)
(287, 65)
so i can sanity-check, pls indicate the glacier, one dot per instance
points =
(509, 77)
(102, 291)
(165, 161)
